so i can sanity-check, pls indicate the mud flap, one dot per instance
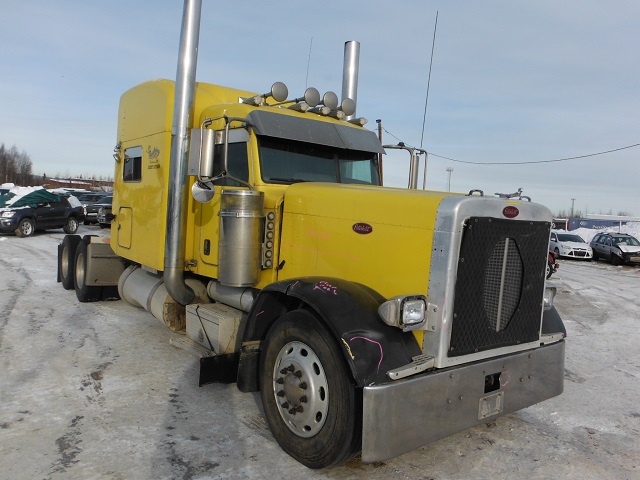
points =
(219, 369)
(59, 279)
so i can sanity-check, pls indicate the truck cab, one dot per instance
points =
(328, 292)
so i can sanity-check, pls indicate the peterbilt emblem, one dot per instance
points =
(510, 211)
(362, 228)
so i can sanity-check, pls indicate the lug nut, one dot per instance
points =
(280, 380)
(298, 373)
(293, 411)
(300, 408)
(303, 385)
(303, 399)
(285, 405)
(291, 368)
(280, 393)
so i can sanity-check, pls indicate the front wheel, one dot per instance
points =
(312, 407)
(25, 228)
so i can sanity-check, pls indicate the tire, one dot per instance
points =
(615, 260)
(66, 261)
(549, 271)
(71, 226)
(84, 292)
(311, 404)
(26, 227)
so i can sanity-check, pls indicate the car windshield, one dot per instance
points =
(632, 241)
(286, 161)
(570, 237)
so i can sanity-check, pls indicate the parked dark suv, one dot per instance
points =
(618, 248)
(91, 210)
(43, 211)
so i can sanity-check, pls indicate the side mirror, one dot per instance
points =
(207, 153)
(202, 193)
(202, 153)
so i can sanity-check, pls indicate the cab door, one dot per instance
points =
(209, 215)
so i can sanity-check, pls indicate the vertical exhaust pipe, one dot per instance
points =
(350, 73)
(177, 195)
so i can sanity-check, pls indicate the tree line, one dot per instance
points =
(15, 166)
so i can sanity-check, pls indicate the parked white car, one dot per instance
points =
(570, 245)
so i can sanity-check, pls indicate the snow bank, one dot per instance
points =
(632, 228)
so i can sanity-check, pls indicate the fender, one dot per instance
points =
(349, 310)
(552, 323)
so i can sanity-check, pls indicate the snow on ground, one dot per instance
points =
(97, 390)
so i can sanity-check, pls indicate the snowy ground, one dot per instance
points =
(98, 391)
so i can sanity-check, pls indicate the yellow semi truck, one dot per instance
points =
(372, 320)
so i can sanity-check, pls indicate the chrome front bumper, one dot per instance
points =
(403, 415)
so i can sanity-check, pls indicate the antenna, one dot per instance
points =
(433, 44)
(306, 80)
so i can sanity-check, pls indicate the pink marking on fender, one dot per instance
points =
(372, 341)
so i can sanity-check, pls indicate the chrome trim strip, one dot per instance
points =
(503, 274)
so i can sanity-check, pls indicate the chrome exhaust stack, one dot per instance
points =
(177, 195)
(350, 74)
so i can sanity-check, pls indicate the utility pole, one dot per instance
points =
(449, 169)
(572, 201)
(379, 122)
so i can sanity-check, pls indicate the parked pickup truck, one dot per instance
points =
(39, 210)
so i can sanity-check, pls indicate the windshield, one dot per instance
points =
(567, 237)
(626, 241)
(287, 161)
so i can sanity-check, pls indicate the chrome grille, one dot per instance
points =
(499, 285)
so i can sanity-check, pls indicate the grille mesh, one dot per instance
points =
(500, 283)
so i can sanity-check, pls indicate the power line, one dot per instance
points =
(525, 162)
(537, 161)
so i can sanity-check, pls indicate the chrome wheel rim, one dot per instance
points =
(300, 389)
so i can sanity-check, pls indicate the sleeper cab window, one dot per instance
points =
(132, 167)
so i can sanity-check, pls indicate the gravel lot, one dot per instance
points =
(99, 391)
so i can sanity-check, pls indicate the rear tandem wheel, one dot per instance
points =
(84, 292)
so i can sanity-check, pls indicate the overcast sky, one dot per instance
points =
(511, 82)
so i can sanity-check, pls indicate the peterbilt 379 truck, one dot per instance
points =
(372, 319)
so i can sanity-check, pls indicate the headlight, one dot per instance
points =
(407, 312)
(549, 295)
(8, 214)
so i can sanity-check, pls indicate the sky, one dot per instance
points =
(511, 82)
